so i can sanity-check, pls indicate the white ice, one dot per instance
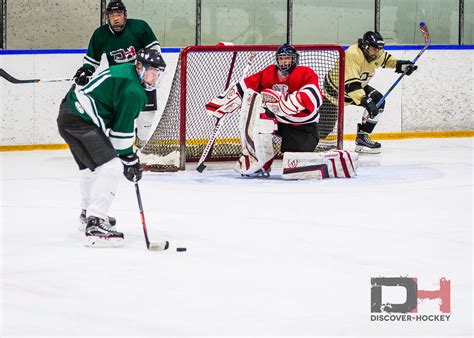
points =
(264, 257)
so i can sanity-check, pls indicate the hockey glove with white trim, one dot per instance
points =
(131, 167)
(405, 66)
(370, 105)
(82, 76)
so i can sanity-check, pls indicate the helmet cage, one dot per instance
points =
(287, 50)
(116, 7)
(150, 59)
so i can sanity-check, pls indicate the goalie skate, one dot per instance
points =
(111, 221)
(261, 173)
(100, 235)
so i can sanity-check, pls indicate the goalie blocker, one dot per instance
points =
(330, 164)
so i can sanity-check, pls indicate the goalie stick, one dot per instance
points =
(207, 150)
(11, 79)
(155, 246)
(427, 38)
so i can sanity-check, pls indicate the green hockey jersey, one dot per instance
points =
(119, 47)
(112, 101)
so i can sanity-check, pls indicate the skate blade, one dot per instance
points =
(365, 150)
(103, 242)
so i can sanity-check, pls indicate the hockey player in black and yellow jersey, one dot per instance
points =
(120, 39)
(361, 61)
(97, 121)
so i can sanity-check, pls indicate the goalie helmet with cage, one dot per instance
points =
(149, 65)
(371, 39)
(286, 50)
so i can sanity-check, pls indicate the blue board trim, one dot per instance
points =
(432, 47)
(177, 50)
(63, 51)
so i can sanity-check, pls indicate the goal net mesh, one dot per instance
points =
(203, 73)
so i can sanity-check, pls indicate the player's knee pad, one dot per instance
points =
(330, 164)
(256, 134)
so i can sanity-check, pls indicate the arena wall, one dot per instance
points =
(437, 97)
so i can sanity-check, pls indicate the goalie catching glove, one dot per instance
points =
(226, 103)
(282, 103)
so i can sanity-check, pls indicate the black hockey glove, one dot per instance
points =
(370, 105)
(405, 66)
(82, 76)
(131, 167)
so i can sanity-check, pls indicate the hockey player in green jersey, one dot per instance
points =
(361, 61)
(97, 121)
(120, 39)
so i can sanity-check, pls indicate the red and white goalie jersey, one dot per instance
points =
(298, 94)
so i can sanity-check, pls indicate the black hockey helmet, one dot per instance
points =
(287, 50)
(371, 39)
(150, 65)
(149, 57)
(116, 6)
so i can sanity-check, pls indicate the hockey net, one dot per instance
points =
(202, 73)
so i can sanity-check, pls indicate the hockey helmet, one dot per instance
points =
(371, 39)
(151, 65)
(287, 50)
(116, 6)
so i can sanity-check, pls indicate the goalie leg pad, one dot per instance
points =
(256, 130)
(336, 163)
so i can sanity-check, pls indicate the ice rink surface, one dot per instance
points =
(264, 257)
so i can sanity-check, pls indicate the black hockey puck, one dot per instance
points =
(180, 249)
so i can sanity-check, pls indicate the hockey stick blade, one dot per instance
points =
(151, 246)
(11, 79)
(159, 246)
(200, 168)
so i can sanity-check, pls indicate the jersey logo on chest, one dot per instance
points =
(282, 88)
(122, 56)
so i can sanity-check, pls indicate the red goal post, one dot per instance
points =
(202, 73)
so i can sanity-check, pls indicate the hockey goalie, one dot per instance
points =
(282, 99)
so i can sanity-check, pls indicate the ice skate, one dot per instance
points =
(100, 234)
(111, 221)
(364, 144)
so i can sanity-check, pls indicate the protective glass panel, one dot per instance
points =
(243, 22)
(468, 22)
(331, 21)
(399, 20)
(50, 24)
(172, 21)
